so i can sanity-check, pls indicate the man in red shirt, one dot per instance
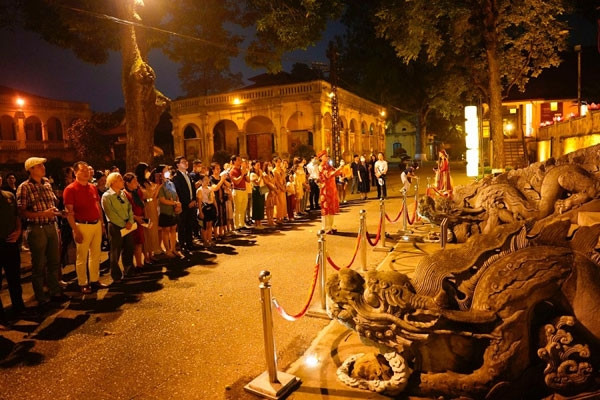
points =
(83, 207)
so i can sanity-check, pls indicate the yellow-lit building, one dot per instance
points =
(545, 119)
(32, 125)
(259, 123)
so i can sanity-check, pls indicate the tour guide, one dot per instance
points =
(330, 204)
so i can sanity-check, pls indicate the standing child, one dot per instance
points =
(207, 211)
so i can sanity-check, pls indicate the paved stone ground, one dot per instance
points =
(191, 329)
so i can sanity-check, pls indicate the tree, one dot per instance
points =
(91, 28)
(285, 26)
(205, 61)
(371, 65)
(89, 144)
(502, 43)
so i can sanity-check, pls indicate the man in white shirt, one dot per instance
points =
(313, 181)
(381, 168)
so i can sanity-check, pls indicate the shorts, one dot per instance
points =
(166, 221)
(210, 213)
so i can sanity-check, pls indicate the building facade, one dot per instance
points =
(278, 120)
(31, 125)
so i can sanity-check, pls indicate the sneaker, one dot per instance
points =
(85, 289)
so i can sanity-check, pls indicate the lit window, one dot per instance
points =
(553, 106)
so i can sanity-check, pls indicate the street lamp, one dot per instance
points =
(20, 102)
(578, 50)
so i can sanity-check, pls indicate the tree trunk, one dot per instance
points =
(421, 137)
(143, 103)
(422, 116)
(495, 88)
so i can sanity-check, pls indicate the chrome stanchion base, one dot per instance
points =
(261, 385)
(316, 311)
(387, 249)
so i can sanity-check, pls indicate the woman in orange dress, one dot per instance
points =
(328, 198)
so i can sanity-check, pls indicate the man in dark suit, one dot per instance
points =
(187, 197)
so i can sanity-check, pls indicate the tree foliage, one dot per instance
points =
(369, 65)
(286, 25)
(502, 43)
(205, 62)
(93, 28)
(89, 144)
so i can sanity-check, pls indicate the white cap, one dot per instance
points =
(33, 161)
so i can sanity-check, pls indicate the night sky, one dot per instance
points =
(32, 65)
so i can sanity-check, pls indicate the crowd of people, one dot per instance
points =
(167, 211)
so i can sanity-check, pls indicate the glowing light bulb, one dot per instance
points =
(311, 361)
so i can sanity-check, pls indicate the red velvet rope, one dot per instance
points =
(373, 244)
(293, 318)
(398, 217)
(353, 257)
(412, 221)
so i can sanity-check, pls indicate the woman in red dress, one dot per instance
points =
(328, 199)
(444, 182)
(136, 198)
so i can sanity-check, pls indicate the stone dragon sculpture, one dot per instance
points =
(533, 193)
(514, 312)
(470, 321)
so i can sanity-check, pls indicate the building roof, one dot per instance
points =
(7, 92)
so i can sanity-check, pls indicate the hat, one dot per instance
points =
(321, 153)
(33, 161)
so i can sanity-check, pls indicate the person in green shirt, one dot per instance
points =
(120, 216)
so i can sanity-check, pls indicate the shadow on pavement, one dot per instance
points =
(55, 321)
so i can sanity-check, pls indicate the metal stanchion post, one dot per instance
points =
(316, 311)
(444, 233)
(405, 231)
(363, 239)
(271, 384)
(382, 246)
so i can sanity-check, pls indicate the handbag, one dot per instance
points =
(263, 190)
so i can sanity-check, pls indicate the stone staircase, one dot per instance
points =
(514, 154)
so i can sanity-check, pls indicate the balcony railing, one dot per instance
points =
(276, 92)
(14, 145)
(572, 127)
(9, 145)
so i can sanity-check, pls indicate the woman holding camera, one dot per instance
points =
(170, 207)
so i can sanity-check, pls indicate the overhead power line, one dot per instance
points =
(122, 21)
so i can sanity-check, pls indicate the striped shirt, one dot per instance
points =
(36, 197)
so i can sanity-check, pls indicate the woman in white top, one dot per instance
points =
(381, 169)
